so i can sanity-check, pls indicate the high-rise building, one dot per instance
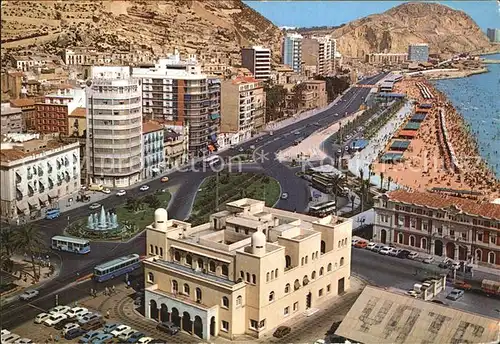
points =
(292, 51)
(320, 53)
(493, 35)
(258, 61)
(246, 271)
(114, 127)
(176, 90)
(418, 52)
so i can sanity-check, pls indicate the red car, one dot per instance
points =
(360, 244)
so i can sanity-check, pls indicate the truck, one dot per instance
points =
(490, 287)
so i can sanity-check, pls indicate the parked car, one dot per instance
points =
(145, 340)
(462, 285)
(394, 252)
(121, 193)
(88, 317)
(134, 338)
(68, 327)
(59, 309)
(106, 191)
(108, 328)
(74, 333)
(10, 338)
(403, 254)
(93, 324)
(446, 264)
(455, 294)
(125, 335)
(24, 341)
(370, 245)
(428, 260)
(28, 295)
(103, 338)
(60, 325)
(281, 331)
(119, 329)
(412, 255)
(5, 332)
(94, 206)
(40, 318)
(377, 247)
(361, 244)
(284, 195)
(354, 241)
(384, 250)
(164, 179)
(168, 327)
(144, 188)
(54, 319)
(89, 336)
(76, 312)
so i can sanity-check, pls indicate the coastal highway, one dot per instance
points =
(186, 184)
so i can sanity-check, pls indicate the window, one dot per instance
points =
(493, 238)
(287, 288)
(175, 286)
(329, 267)
(186, 289)
(272, 275)
(254, 324)
(491, 257)
(262, 323)
(306, 259)
(271, 296)
(313, 275)
(267, 277)
(276, 273)
(479, 236)
(151, 277)
(225, 326)
(425, 225)
(452, 232)
(254, 279)
(225, 302)
(156, 250)
(189, 259)
(321, 270)
(177, 256)
(151, 249)
(464, 235)
(242, 275)
(238, 301)
(248, 277)
(296, 306)
(161, 251)
(288, 261)
(413, 223)
(198, 294)
(200, 263)
(320, 292)
(302, 261)
(328, 288)
(323, 247)
(225, 270)
(211, 266)
(400, 238)
(286, 311)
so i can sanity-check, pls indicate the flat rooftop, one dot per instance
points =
(379, 316)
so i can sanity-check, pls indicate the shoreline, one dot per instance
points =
(457, 74)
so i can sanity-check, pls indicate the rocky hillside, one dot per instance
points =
(190, 26)
(445, 30)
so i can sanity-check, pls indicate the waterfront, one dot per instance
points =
(476, 99)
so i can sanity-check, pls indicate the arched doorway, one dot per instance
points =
(423, 243)
(450, 250)
(153, 310)
(438, 248)
(212, 326)
(175, 318)
(198, 326)
(383, 236)
(479, 255)
(323, 247)
(462, 253)
(187, 324)
(412, 241)
(164, 313)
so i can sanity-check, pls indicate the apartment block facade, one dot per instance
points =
(153, 149)
(257, 60)
(11, 119)
(418, 52)
(114, 127)
(386, 58)
(246, 271)
(35, 172)
(319, 52)
(292, 51)
(493, 35)
(457, 228)
(176, 144)
(27, 106)
(176, 90)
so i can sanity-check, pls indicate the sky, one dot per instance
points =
(486, 13)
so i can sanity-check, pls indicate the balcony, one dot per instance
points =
(19, 195)
(19, 179)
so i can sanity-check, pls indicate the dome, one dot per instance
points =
(258, 239)
(161, 215)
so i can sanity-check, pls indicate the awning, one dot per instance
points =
(43, 197)
(155, 170)
(53, 194)
(33, 202)
(22, 207)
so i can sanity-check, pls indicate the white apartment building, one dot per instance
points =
(319, 52)
(257, 60)
(292, 51)
(176, 90)
(35, 172)
(114, 127)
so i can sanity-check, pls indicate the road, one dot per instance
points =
(186, 183)
(386, 271)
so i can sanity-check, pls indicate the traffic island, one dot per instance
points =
(232, 186)
(122, 222)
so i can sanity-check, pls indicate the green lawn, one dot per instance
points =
(233, 186)
(144, 216)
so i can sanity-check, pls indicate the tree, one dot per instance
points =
(361, 178)
(297, 96)
(381, 181)
(353, 198)
(152, 201)
(334, 85)
(7, 248)
(29, 239)
(275, 101)
(389, 181)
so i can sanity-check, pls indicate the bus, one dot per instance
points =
(52, 213)
(212, 161)
(322, 209)
(116, 267)
(68, 244)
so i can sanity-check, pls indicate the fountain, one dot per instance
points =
(104, 221)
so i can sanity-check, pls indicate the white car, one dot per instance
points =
(354, 241)
(385, 250)
(83, 315)
(121, 193)
(88, 317)
(60, 310)
(370, 245)
(119, 330)
(377, 247)
(144, 188)
(76, 312)
(10, 338)
(428, 260)
(40, 318)
(68, 327)
(394, 252)
(144, 340)
(28, 295)
(106, 191)
(413, 255)
(94, 206)
(5, 332)
(125, 335)
(54, 319)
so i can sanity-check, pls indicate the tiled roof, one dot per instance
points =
(151, 126)
(79, 112)
(437, 201)
(22, 102)
(7, 155)
(243, 79)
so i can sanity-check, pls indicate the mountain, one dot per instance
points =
(190, 26)
(445, 30)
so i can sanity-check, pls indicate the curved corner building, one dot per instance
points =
(114, 127)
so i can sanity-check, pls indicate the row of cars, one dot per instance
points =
(89, 327)
(390, 250)
(8, 337)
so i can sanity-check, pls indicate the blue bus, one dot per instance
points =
(116, 267)
(52, 213)
(68, 244)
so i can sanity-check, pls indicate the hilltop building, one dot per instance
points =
(246, 271)
(258, 61)
(386, 58)
(292, 51)
(418, 52)
(493, 35)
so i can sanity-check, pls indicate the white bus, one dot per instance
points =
(212, 160)
(117, 267)
(322, 209)
(68, 244)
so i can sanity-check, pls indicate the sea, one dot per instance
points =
(477, 99)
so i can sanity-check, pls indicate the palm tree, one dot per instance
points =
(353, 198)
(30, 240)
(381, 181)
(8, 247)
(389, 180)
(361, 178)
